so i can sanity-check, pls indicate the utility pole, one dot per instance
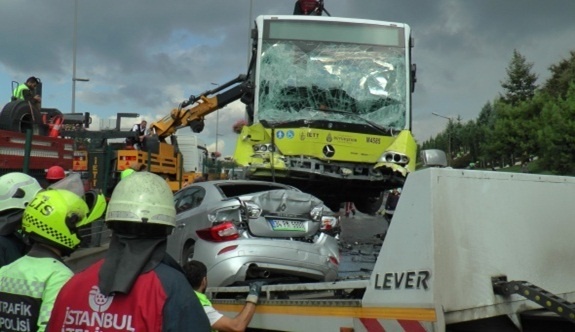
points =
(448, 134)
(74, 46)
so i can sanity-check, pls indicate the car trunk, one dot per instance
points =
(285, 213)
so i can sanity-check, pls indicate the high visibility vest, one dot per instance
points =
(19, 92)
(28, 289)
(204, 302)
(203, 299)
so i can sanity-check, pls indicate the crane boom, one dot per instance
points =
(202, 105)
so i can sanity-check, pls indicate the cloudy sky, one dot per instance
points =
(146, 56)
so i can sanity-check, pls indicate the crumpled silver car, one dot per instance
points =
(246, 230)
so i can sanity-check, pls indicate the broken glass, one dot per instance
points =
(341, 82)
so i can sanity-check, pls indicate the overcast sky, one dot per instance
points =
(146, 56)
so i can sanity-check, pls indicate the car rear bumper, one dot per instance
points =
(231, 260)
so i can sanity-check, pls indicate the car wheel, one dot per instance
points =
(17, 116)
(188, 252)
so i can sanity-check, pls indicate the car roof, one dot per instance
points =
(221, 183)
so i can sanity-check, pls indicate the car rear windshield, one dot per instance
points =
(232, 190)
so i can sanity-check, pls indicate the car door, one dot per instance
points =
(188, 203)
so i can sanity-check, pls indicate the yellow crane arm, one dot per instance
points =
(194, 116)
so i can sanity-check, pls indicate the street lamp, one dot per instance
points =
(448, 133)
(75, 41)
(217, 123)
(250, 32)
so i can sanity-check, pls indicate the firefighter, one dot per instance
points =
(27, 91)
(16, 191)
(29, 285)
(55, 174)
(137, 283)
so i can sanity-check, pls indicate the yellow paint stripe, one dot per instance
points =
(419, 314)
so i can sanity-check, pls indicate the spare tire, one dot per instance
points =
(19, 116)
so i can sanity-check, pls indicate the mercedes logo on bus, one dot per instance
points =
(328, 151)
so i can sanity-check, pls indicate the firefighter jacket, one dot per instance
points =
(159, 300)
(28, 289)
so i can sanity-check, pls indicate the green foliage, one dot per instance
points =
(557, 134)
(524, 125)
(562, 75)
(520, 83)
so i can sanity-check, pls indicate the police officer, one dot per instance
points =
(29, 285)
(16, 191)
(137, 284)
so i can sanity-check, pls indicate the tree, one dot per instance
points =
(557, 134)
(485, 124)
(562, 74)
(520, 83)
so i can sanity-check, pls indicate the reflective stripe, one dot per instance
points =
(417, 314)
(382, 325)
(15, 286)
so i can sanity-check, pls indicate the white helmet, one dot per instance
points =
(16, 191)
(142, 198)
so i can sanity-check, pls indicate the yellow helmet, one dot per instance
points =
(54, 216)
(126, 172)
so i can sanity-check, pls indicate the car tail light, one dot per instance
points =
(316, 213)
(226, 231)
(253, 210)
(328, 222)
(230, 213)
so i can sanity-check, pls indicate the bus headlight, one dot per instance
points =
(394, 157)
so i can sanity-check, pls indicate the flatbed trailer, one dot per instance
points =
(467, 251)
(33, 154)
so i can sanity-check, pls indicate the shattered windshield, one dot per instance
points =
(302, 79)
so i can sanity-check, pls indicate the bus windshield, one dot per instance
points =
(333, 80)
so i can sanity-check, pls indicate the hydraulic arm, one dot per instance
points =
(202, 105)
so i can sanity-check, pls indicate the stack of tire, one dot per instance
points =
(20, 115)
